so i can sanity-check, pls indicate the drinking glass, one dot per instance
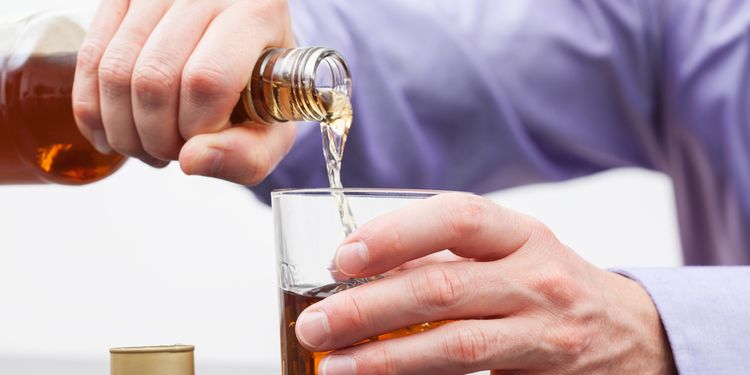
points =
(308, 230)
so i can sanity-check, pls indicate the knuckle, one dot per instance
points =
(467, 345)
(354, 314)
(153, 82)
(572, 317)
(569, 340)
(572, 329)
(124, 146)
(437, 288)
(258, 166)
(161, 150)
(558, 287)
(86, 113)
(394, 237)
(115, 74)
(468, 212)
(380, 360)
(205, 81)
(540, 233)
(88, 56)
(271, 8)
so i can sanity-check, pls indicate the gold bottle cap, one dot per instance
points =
(153, 360)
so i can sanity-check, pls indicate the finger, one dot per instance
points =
(158, 71)
(439, 257)
(115, 76)
(431, 293)
(455, 348)
(221, 64)
(86, 107)
(468, 225)
(444, 256)
(245, 155)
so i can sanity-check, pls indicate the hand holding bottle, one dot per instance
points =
(158, 80)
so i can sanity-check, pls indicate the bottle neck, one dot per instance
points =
(294, 85)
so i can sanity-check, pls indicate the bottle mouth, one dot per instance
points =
(289, 84)
(330, 74)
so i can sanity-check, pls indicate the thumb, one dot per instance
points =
(242, 154)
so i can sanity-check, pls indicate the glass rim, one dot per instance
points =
(362, 192)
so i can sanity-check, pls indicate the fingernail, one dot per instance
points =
(100, 141)
(352, 258)
(338, 365)
(313, 329)
(156, 163)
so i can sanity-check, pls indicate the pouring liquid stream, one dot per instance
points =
(295, 358)
(335, 131)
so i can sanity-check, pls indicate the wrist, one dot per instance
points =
(637, 319)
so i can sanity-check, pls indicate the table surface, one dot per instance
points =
(46, 366)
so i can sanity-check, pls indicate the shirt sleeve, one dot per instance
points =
(480, 95)
(705, 313)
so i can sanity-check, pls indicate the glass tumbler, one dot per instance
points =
(308, 231)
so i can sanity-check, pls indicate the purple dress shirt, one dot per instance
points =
(479, 95)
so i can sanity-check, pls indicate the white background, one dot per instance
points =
(156, 257)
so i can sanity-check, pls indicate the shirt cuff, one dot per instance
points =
(706, 314)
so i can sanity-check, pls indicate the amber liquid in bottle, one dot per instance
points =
(296, 360)
(39, 140)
